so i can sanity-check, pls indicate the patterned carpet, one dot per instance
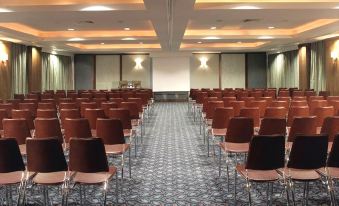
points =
(172, 168)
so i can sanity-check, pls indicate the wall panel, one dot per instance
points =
(84, 71)
(204, 76)
(107, 71)
(131, 70)
(256, 70)
(233, 71)
(5, 72)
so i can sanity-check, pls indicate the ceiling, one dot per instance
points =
(108, 26)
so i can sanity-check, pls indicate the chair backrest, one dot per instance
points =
(247, 100)
(273, 126)
(3, 115)
(200, 96)
(277, 103)
(48, 127)
(32, 107)
(315, 104)
(302, 126)
(116, 100)
(106, 106)
(267, 99)
(43, 105)
(205, 102)
(237, 106)
(68, 105)
(138, 101)
(308, 152)
(333, 158)
(266, 152)
(92, 115)
(227, 100)
(45, 155)
(126, 95)
(283, 93)
(261, 104)
(251, 112)
(321, 113)
(87, 105)
(297, 112)
(46, 113)
(87, 155)
(110, 131)
(330, 127)
(298, 103)
(221, 117)
(240, 130)
(10, 156)
(211, 107)
(16, 128)
(24, 114)
(123, 115)
(77, 128)
(69, 113)
(132, 107)
(8, 107)
(275, 112)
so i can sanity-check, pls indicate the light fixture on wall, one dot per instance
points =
(3, 57)
(203, 63)
(138, 64)
(334, 55)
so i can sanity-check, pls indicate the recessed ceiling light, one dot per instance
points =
(337, 7)
(265, 37)
(239, 42)
(199, 42)
(97, 8)
(246, 7)
(102, 43)
(211, 37)
(76, 39)
(128, 39)
(213, 27)
(127, 28)
(271, 27)
(140, 42)
(5, 10)
(54, 52)
(70, 29)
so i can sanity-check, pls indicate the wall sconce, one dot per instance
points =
(334, 55)
(203, 63)
(138, 64)
(3, 57)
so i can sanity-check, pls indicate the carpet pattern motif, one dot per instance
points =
(172, 168)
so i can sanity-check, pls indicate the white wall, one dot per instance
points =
(107, 71)
(130, 71)
(171, 73)
(233, 72)
(204, 77)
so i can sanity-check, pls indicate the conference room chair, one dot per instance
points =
(46, 160)
(247, 100)
(20, 97)
(65, 100)
(321, 113)
(238, 135)
(272, 126)
(330, 127)
(216, 94)
(267, 99)
(275, 112)
(76, 128)
(48, 127)
(3, 115)
(68, 105)
(24, 114)
(261, 104)
(31, 96)
(240, 94)
(18, 129)
(12, 170)
(47, 113)
(283, 93)
(116, 100)
(253, 113)
(286, 99)
(332, 98)
(227, 100)
(303, 126)
(298, 93)
(87, 105)
(325, 94)
(99, 101)
(72, 95)
(26, 101)
(47, 96)
(138, 101)
(228, 94)
(100, 95)
(132, 107)
(126, 95)
(297, 112)
(311, 98)
(14, 102)
(265, 156)
(106, 106)
(124, 116)
(308, 154)
(69, 113)
(197, 107)
(92, 115)
(310, 93)
(298, 103)
(114, 95)
(111, 132)
(8, 107)
(270, 93)
(88, 161)
(237, 106)
(257, 94)
(59, 95)
(317, 103)
(86, 95)
(32, 107)
(335, 104)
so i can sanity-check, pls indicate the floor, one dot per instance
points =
(172, 168)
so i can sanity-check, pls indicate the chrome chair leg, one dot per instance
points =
(130, 163)
(220, 161)
(235, 180)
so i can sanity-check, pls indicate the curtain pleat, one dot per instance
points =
(317, 66)
(19, 68)
(283, 70)
(57, 72)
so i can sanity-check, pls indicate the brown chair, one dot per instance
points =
(299, 98)
(114, 95)
(86, 95)
(311, 98)
(48, 127)
(257, 94)
(87, 105)
(266, 154)
(239, 133)
(12, 169)
(227, 100)
(88, 162)
(24, 114)
(253, 113)
(321, 113)
(295, 112)
(284, 104)
(237, 106)
(106, 106)
(99, 101)
(112, 133)
(127, 95)
(92, 115)
(275, 112)
(330, 127)
(46, 159)
(69, 113)
(76, 128)
(298, 93)
(273, 126)
(302, 126)
(42, 105)
(267, 99)
(116, 100)
(247, 100)
(3, 115)
(46, 113)
(132, 107)
(8, 107)
(32, 107)
(298, 103)
(283, 93)
(308, 154)
(261, 104)
(18, 129)
(315, 104)
(138, 101)
(286, 99)
(68, 105)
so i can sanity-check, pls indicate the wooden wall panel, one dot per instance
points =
(304, 67)
(34, 68)
(331, 65)
(5, 72)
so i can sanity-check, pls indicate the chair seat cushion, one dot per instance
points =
(300, 174)
(52, 178)
(234, 147)
(116, 148)
(257, 175)
(333, 172)
(219, 132)
(94, 178)
(10, 178)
